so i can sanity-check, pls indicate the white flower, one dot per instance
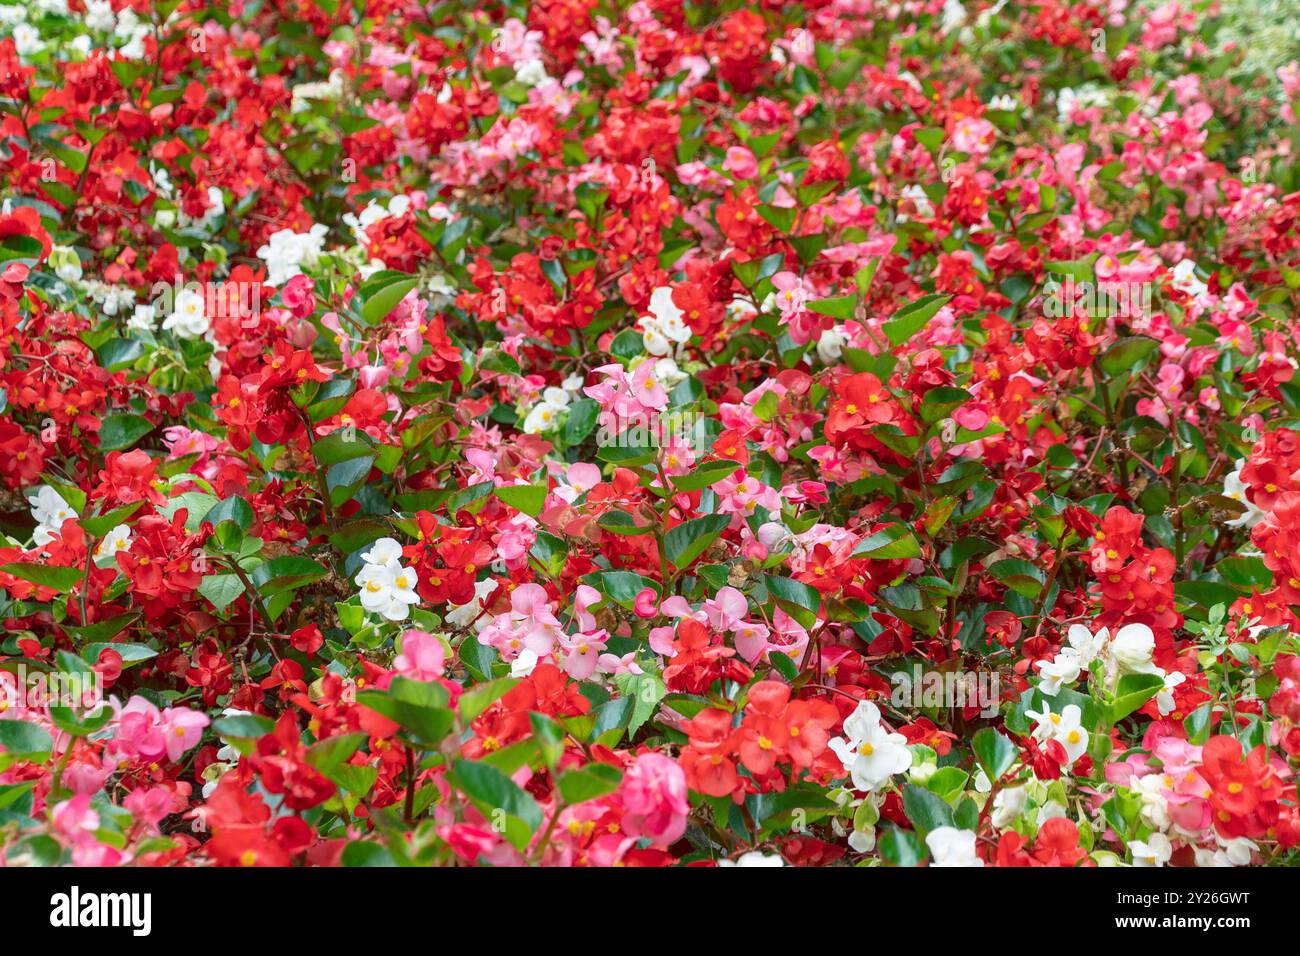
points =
(543, 417)
(303, 92)
(1154, 851)
(531, 73)
(954, 15)
(50, 511)
(920, 202)
(663, 327)
(1235, 488)
(1008, 804)
(388, 590)
(119, 539)
(523, 665)
(668, 374)
(863, 841)
(556, 396)
(66, 262)
(831, 345)
(1186, 280)
(1154, 807)
(461, 615)
(288, 251)
(1062, 669)
(1165, 696)
(952, 847)
(27, 40)
(754, 858)
(1049, 811)
(142, 319)
(1086, 645)
(189, 320)
(385, 551)
(1063, 728)
(1133, 648)
(870, 753)
(1237, 852)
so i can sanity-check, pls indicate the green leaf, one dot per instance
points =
(1127, 353)
(381, 294)
(46, 575)
(101, 525)
(80, 723)
(1133, 691)
(243, 726)
(234, 509)
(645, 691)
(705, 474)
(342, 444)
(1019, 575)
(549, 737)
(622, 587)
(526, 498)
(589, 782)
(221, 589)
(25, 740)
(799, 600)
(122, 431)
(331, 752)
(902, 847)
(493, 791)
(285, 573)
(912, 317)
(686, 542)
(478, 698)
(925, 809)
(889, 543)
(367, 853)
(994, 752)
(841, 307)
(130, 653)
(582, 419)
(419, 708)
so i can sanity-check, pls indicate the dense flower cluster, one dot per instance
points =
(649, 433)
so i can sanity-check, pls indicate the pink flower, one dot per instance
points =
(661, 640)
(139, 730)
(646, 388)
(726, 611)
(75, 819)
(654, 799)
(582, 653)
(791, 294)
(298, 297)
(972, 416)
(584, 598)
(422, 656)
(149, 805)
(182, 728)
(647, 603)
(740, 162)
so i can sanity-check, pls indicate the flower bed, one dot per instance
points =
(583, 434)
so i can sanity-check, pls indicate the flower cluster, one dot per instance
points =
(552, 433)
